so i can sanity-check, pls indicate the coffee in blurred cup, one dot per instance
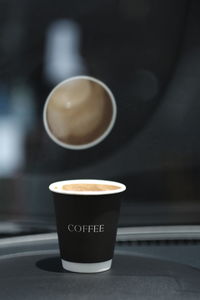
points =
(79, 112)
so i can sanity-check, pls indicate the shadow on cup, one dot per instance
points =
(79, 113)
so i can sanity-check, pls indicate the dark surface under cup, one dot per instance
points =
(101, 212)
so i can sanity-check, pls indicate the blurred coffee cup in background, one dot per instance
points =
(79, 112)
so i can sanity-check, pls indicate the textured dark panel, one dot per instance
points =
(32, 270)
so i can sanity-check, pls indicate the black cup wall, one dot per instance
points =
(87, 226)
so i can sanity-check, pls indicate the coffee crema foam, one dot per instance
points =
(89, 187)
(79, 112)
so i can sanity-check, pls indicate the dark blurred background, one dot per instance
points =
(148, 53)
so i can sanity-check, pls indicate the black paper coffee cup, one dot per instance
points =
(87, 224)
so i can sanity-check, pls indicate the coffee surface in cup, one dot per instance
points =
(79, 112)
(89, 187)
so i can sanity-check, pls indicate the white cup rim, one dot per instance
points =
(100, 138)
(59, 184)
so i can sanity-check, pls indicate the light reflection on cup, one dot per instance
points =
(79, 113)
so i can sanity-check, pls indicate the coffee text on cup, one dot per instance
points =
(85, 228)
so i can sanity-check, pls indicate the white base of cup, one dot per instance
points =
(86, 267)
